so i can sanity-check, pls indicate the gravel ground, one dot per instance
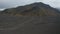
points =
(29, 25)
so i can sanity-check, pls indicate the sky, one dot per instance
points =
(14, 3)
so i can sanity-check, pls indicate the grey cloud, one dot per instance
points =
(12, 3)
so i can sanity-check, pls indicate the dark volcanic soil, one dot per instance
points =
(29, 25)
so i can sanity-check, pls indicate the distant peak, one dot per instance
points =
(38, 3)
(34, 9)
(41, 4)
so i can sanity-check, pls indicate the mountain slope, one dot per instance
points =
(35, 9)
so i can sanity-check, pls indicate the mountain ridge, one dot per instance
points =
(34, 9)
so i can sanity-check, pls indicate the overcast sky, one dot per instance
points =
(13, 3)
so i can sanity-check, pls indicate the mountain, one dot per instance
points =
(36, 18)
(34, 9)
